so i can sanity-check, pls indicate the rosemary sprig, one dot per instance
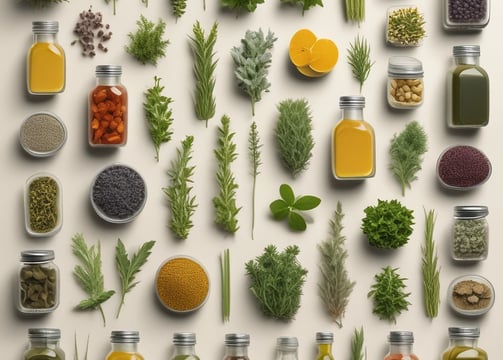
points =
(159, 115)
(359, 59)
(335, 286)
(204, 69)
(357, 341)
(90, 275)
(225, 202)
(129, 267)
(182, 203)
(254, 146)
(355, 10)
(225, 271)
(430, 268)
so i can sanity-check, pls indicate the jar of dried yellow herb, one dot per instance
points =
(38, 279)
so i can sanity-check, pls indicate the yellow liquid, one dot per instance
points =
(46, 68)
(353, 148)
(324, 352)
(122, 355)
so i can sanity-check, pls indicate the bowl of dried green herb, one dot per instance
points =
(471, 295)
(42, 134)
(43, 205)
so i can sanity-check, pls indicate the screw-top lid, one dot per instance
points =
(466, 50)
(324, 337)
(401, 337)
(32, 256)
(45, 27)
(237, 339)
(108, 70)
(471, 211)
(464, 332)
(404, 66)
(44, 333)
(125, 337)
(287, 342)
(184, 338)
(355, 101)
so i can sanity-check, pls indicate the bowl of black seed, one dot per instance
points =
(118, 194)
(42, 134)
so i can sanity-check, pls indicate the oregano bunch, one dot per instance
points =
(252, 60)
(147, 44)
(238, 5)
(306, 4)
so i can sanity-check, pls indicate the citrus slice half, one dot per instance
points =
(300, 47)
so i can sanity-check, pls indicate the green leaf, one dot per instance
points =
(279, 209)
(307, 202)
(296, 221)
(286, 193)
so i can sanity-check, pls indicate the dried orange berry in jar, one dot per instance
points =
(108, 108)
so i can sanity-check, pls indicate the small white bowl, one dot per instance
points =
(34, 130)
(484, 295)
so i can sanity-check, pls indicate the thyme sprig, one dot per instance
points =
(147, 44)
(254, 146)
(430, 268)
(204, 71)
(359, 59)
(335, 286)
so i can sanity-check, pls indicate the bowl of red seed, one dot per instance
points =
(463, 167)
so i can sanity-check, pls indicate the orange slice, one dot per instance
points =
(307, 71)
(324, 55)
(300, 47)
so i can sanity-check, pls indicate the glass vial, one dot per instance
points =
(400, 346)
(44, 345)
(467, 89)
(287, 348)
(353, 142)
(463, 344)
(470, 239)
(465, 14)
(46, 65)
(324, 341)
(184, 346)
(405, 82)
(236, 346)
(124, 346)
(38, 282)
(108, 108)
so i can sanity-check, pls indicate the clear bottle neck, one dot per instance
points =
(470, 342)
(236, 351)
(185, 350)
(129, 347)
(467, 60)
(405, 349)
(44, 343)
(352, 113)
(108, 80)
(45, 38)
(283, 353)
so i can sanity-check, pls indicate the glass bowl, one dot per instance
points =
(471, 295)
(42, 134)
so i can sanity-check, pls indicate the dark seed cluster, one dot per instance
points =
(88, 28)
(467, 11)
(463, 166)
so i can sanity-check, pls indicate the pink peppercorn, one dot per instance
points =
(463, 167)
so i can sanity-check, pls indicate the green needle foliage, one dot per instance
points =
(204, 71)
(430, 268)
(239, 5)
(294, 134)
(128, 267)
(277, 279)
(306, 4)
(335, 287)
(252, 61)
(159, 115)
(355, 10)
(359, 59)
(254, 146)
(388, 294)
(357, 341)
(178, 8)
(406, 153)
(89, 275)
(43, 3)
(147, 44)
(182, 203)
(225, 202)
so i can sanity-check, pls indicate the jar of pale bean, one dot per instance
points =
(405, 82)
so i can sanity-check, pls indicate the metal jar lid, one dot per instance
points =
(470, 211)
(44, 333)
(354, 101)
(324, 337)
(405, 66)
(290, 342)
(35, 256)
(184, 338)
(401, 337)
(464, 332)
(45, 27)
(466, 50)
(108, 70)
(237, 339)
(125, 337)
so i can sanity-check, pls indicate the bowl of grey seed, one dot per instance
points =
(42, 134)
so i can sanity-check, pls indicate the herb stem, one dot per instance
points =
(254, 146)
(225, 277)
(430, 268)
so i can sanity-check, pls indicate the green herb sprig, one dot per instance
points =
(335, 286)
(430, 268)
(89, 275)
(388, 294)
(357, 342)
(159, 115)
(225, 272)
(277, 279)
(306, 4)
(43, 3)
(225, 202)
(406, 153)
(355, 10)
(76, 348)
(129, 266)
(405, 26)
(254, 146)
(182, 203)
(359, 59)
(204, 71)
(178, 8)
(147, 44)
(239, 5)
(252, 60)
(291, 207)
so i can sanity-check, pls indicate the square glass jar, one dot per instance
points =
(405, 26)
(465, 15)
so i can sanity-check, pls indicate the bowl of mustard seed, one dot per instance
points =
(471, 295)
(42, 134)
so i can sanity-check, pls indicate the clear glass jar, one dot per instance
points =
(463, 345)
(124, 346)
(470, 238)
(38, 282)
(108, 108)
(324, 341)
(465, 14)
(236, 346)
(353, 142)
(287, 348)
(405, 82)
(467, 89)
(400, 346)
(46, 64)
(44, 345)
(184, 346)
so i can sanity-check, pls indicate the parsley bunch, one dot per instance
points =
(306, 4)
(147, 44)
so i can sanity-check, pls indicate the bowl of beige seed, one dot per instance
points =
(42, 134)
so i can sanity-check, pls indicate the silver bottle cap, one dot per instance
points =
(324, 337)
(401, 337)
(355, 101)
(470, 211)
(44, 333)
(184, 338)
(466, 50)
(464, 332)
(35, 256)
(125, 337)
(45, 27)
(108, 70)
(237, 339)
(287, 342)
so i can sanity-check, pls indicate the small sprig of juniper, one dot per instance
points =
(147, 44)
(406, 26)
(225, 202)
(359, 59)
(335, 286)
(178, 8)
(254, 146)
(204, 71)
(159, 115)
(252, 60)
(182, 204)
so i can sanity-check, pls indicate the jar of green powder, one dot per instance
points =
(470, 241)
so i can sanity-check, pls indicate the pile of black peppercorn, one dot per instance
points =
(467, 11)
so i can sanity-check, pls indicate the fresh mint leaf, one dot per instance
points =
(287, 194)
(307, 202)
(279, 209)
(296, 221)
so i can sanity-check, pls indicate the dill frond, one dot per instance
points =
(359, 59)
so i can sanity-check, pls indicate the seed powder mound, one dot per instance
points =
(42, 133)
(463, 167)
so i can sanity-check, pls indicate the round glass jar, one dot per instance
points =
(38, 282)
(400, 346)
(236, 346)
(470, 238)
(465, 14)
(405, 82)
(44, 345)
(124, 345)
(463, 344)
(471, 295)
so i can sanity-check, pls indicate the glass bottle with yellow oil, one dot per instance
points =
(324, 341)
(124, 346)
(463, 345)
